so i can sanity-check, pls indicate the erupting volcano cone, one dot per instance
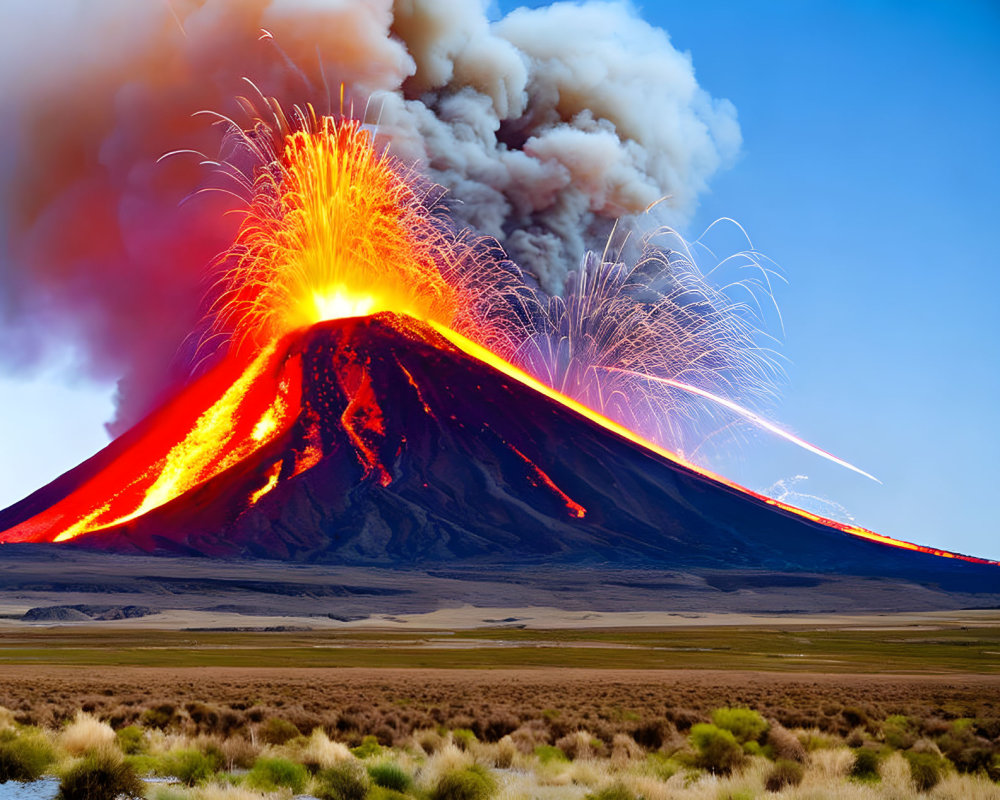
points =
(375, 440)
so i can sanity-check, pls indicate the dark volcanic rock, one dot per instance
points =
(427, 456)
(55, 614)
(83, 613)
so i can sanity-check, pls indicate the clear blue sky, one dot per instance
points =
(870, 173)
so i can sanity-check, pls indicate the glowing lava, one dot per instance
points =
(221, 419)
(334, 230)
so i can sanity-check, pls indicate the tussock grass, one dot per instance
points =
(320, 752)
(345, 781)
(740, 755)
(100, 775)
(225, 791)
(24, 754)
(86, 734)
(467, 783)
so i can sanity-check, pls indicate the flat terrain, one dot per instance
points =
(192, 592)
(918, 644)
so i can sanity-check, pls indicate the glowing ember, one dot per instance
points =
(272, 481)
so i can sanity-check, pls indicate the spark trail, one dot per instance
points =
(749, 415)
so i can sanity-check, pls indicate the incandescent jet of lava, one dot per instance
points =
(370, 389)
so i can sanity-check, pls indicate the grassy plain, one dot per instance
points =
(911, 649)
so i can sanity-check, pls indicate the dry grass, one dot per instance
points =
(86, 734)
(965, 787)
(534, 707)
(447, 759)
(320, 752)
(623, 769)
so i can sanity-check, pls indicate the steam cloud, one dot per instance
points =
(544, 127)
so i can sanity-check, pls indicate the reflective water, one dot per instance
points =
(45, 789)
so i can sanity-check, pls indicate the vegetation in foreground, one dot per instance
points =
(732, 753)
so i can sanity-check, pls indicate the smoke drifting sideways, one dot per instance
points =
(544, 127)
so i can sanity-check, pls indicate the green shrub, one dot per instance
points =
(753, 748)
(369, 747)
(24, 756)
(472, 783)
(161, 716)
(390, 776)
(968, 752)
(269, 774)
(865, 766)
(347, 781)
(784, 773)
(925, 769)
(463, 738)
(717, 749)
(616, 791)
(381, 793)
(99, 776)
(278, 731)
(899, 732)
(662, 766)
(743, 723)
(131, 740)
(190, 766)
(547, 753)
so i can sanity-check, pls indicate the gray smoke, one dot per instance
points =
(544, 127)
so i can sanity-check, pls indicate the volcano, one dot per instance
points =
(377, 441)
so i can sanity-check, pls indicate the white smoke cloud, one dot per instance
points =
(543, 126)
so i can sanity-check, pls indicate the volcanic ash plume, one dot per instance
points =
(543, 127)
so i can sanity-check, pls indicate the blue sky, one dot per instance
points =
(870, 173)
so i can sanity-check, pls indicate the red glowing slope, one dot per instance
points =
(391, 446)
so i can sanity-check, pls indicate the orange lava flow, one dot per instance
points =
(572, 506)
(272, 480)
(362, 421)
(214, 424)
